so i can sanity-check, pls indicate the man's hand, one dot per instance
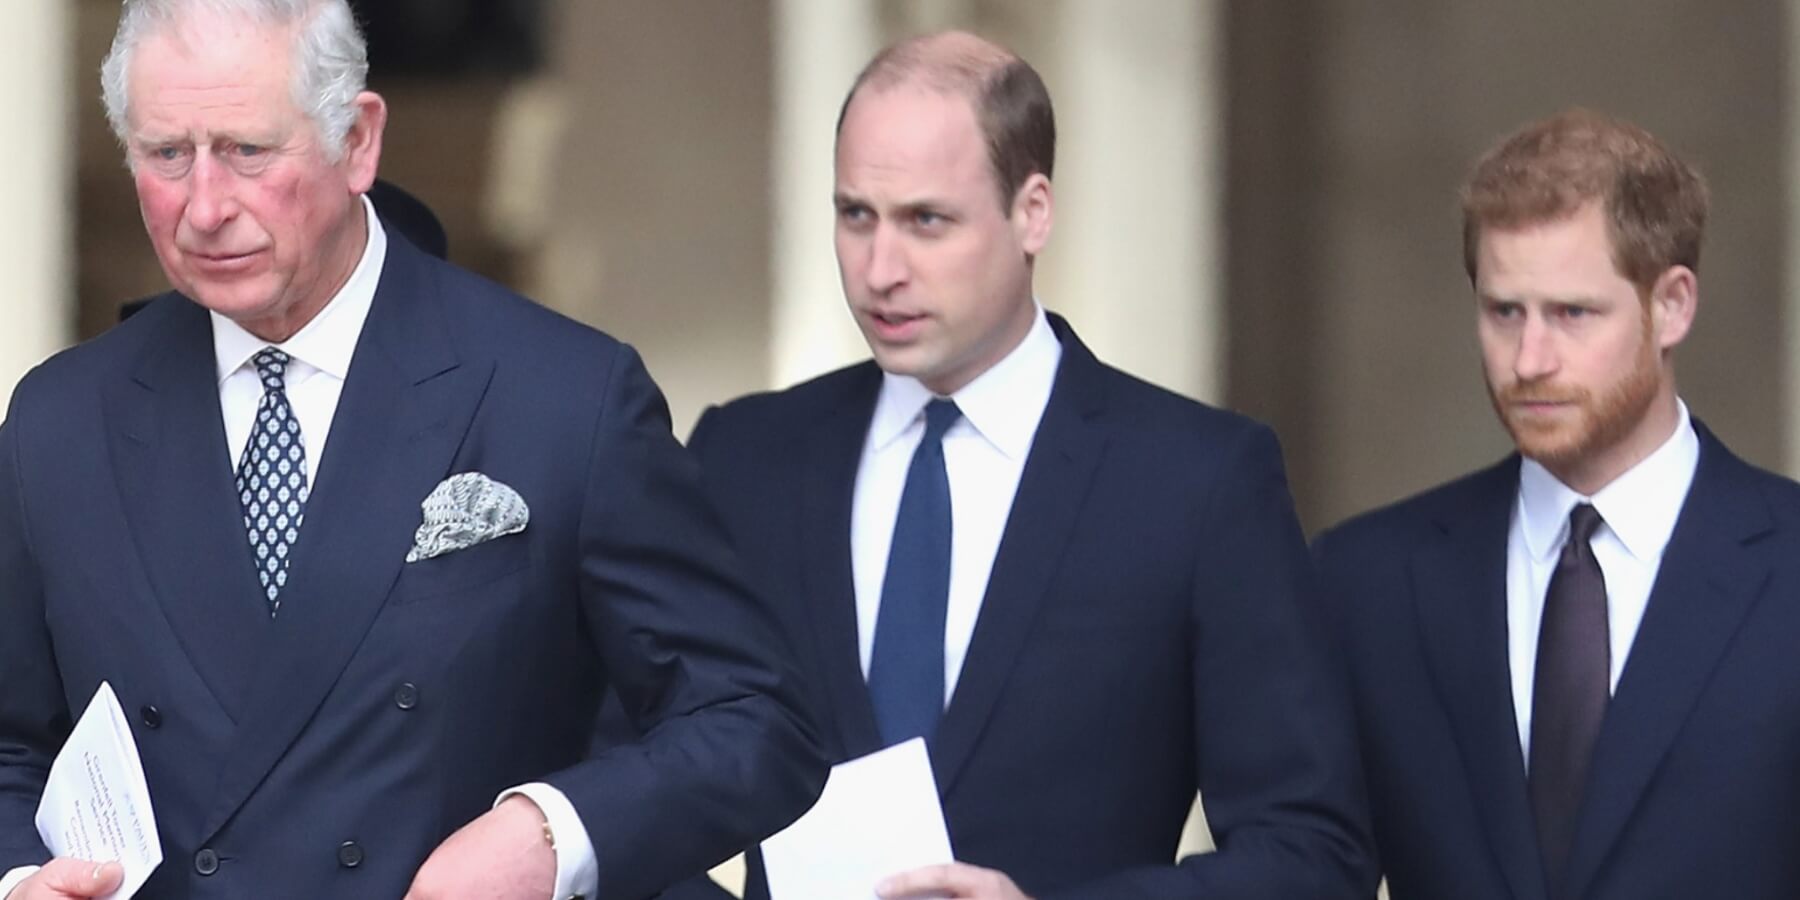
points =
(64, 878)
(957, 880)
(502, 855)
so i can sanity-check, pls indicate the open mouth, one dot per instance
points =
(890, 325)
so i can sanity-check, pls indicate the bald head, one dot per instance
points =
(1009, 99)
(947, 61)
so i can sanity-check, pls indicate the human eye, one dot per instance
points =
(852, 213)
(1503, 310)
(928, 221)
(246, 157)
(169, 159)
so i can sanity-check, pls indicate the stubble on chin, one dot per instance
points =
(1599, 422)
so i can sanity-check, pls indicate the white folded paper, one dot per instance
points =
(96, 805)
(878, 816)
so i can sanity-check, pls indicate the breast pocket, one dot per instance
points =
(484, 565)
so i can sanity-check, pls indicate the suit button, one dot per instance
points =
(350, 854)
(406, 696)
(151, 716)
(206, 862)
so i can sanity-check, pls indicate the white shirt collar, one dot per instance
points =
(1640, 506)
(328, 341)
(1003, 404)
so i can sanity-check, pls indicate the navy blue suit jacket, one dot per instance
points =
(1695, 784)
(389, 702)
(1146, 632)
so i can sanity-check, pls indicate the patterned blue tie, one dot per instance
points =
(271, 477)
(906, 669)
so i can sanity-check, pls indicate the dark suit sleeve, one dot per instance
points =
(616, 729)
(1277, 762)
(727, 755)
(34, 717)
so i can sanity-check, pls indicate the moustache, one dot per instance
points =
(1521, 394)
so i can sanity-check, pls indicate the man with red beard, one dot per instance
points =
(1572, 668)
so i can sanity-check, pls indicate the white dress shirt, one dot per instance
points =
(984, 455)
(1639, 509)
(320, 354)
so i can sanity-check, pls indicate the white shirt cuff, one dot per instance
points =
(577, 871)
(15, 878)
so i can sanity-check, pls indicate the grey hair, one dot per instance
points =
(330, 56)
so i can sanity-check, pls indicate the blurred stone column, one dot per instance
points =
(820, 45)
(659, 212)
(1135, 258)
(36, 209)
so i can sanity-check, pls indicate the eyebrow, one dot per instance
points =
(157, 137)
(1575, 300)
(841, 199)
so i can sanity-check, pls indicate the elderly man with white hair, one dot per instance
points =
(359, 539)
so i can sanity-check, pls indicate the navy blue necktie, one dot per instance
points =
(906, 669)
(271, 477)
(1569, 692)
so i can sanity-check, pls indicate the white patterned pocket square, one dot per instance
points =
(465, 510)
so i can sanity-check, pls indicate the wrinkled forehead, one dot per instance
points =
(211, 65)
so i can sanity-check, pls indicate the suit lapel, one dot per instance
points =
(405, 408)
(1064, 456)
(832, 455)
(174, 477)
(1708, 581)
(1461, 600)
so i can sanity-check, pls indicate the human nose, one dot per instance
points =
(1536, 356)
(211, 202)
(886, 267)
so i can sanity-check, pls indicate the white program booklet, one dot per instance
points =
(878, 816)
(97, 805)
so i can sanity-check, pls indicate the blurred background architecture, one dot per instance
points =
(1256, 200)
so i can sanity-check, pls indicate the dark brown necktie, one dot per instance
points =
(1569, 693)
